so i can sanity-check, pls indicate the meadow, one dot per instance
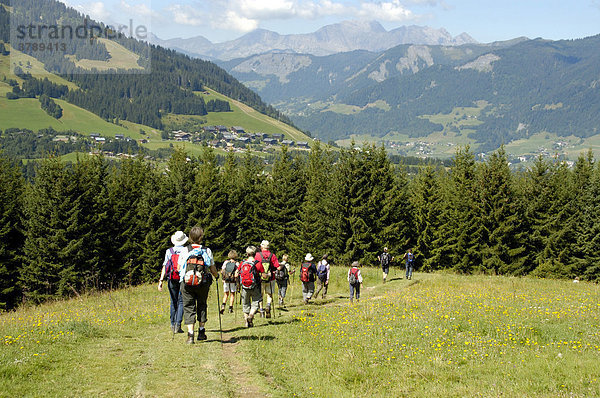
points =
(437, 334)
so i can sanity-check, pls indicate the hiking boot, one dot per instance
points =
(190, 339)
(268, 313)
(249, 322)
(179, 329)
(222, 310)
(230, 309)
(201, 334)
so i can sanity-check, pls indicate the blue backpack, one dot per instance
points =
(322, 272)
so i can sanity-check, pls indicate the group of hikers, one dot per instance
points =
(189, 271)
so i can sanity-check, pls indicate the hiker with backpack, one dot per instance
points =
(385, 259)
(170, 271)
(250, 283)
(323, 269)
(355, 281)
(228, 273)
(282, 277)
(409, 263)
(270, 264)
(196, 271)
(308, 270)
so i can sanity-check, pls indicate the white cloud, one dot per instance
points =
(247, 15)
(140, 9)
(392, 11)
(95, 9)
(186, 15)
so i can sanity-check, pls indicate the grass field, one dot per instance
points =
(121, 58)
(435, 335)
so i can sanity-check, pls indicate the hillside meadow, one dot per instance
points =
(437, 334)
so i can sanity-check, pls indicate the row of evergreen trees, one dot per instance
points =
(95, 225)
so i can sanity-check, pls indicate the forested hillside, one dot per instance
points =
(103, 226)
(165, 85)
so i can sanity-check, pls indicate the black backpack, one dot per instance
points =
(281, 275)
(385, 259)
(229, 272)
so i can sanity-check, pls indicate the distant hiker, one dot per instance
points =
(355, 281)
(170, 271)
(270, 265)
(249, 272)
(282, 277)
(228, 273)
(196, 270)
(385, 259)
(410, 258)
(308, 270)
(323, 269)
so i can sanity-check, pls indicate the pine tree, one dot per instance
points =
(12, 187)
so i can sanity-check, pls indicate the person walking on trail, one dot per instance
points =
(270, 265)
(355, 281)
(385, 259)
(170, 271)
(282, 277)
(323, 269)
(410, 258)
(249, 273)
(228, 273)
(308, 270)
(196, 270)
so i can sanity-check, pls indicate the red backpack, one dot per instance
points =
(306, 272)
(172, 266)
(249, 275)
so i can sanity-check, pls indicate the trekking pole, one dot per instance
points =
(273, 296)
(219, 311)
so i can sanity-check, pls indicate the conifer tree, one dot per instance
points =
(426, 200)
(466, 214)
(208, 204)
(127, 187)
(284, 199)
(503, 244)
(51, 212)
(12, 187)
(315, 212)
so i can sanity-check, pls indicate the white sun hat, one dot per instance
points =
(179, 238)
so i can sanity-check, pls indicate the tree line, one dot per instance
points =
(95, 224)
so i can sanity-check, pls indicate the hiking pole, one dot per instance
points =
(219, 311)
(271, 283)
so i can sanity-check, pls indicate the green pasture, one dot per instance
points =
(120, 58)
(436, 334)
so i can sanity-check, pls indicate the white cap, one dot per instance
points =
(308, 257)
(264, 244)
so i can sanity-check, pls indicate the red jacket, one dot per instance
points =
(274, 262)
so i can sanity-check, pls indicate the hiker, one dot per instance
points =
(196, 270)
(308, 270)
(323, 269)
(270, 264)
(409, 263)
(385, 260)
(282, 277)
(170, 271)
(355, 281)
(249, 272)
(228, 272)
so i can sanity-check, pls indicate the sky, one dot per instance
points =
(222, 20)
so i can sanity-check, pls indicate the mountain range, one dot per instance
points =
(520, 88)
(331, 39)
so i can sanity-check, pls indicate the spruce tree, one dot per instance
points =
(12, 187)
(503, 245)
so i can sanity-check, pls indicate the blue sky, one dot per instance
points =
(221, 20)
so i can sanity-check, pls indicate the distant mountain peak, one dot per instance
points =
(340, 37)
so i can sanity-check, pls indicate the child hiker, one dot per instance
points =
(228, 272)
(355, 280)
